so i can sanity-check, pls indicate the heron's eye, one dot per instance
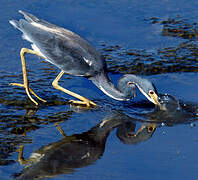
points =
(150, 129)
(151, 92)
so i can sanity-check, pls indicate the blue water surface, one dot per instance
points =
(169, 153)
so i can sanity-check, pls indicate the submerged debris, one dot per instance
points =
(183, 58)
(177, 27)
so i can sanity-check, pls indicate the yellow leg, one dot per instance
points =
(84, 101)
(25, 79)
(21, 159)
(60, 129)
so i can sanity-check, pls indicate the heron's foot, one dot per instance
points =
(83, 104)
(28, 91)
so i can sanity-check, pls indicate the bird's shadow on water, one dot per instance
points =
(79, 150)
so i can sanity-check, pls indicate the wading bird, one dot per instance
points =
(75, 56)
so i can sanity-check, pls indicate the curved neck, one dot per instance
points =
(104, 83)
(100, 132)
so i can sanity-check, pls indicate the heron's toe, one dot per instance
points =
(83, 104)
(16, 84)
(92, 104)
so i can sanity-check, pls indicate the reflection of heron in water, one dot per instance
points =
(78, 150)
(127, 134)
(75, 56)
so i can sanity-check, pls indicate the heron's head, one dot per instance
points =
(146, 87)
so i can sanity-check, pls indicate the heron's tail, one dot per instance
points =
(15, 23)
(29, 17)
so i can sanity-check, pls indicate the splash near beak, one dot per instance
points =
(155, 100)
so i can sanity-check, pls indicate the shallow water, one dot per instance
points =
(132, 140)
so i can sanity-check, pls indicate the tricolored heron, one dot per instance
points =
(75, 56)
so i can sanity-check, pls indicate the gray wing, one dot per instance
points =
(61, 47)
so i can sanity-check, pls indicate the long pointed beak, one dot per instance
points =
(151, 97)
(154, 99)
